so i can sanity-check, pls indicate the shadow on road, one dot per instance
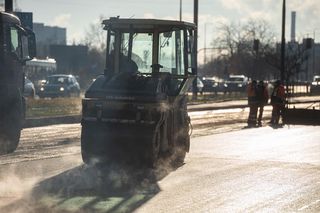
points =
(107, 188)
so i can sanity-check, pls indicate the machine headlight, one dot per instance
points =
(314, 83)
(240, 85)
(42, 89)
(61, 89)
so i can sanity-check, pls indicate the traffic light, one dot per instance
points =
(256, 43)
(308, 43)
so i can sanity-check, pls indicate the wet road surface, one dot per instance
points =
(234, 170)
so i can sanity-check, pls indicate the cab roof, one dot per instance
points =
(145, 24)
(9, 18)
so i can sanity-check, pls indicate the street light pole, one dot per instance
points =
(195, 20)
(8, 5)
(314, 50)
(180, 11)
(205, 44)
(283, 42)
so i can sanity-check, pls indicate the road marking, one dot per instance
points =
(307, 206)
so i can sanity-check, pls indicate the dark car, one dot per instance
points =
(212, 84)
(60, 86)
(29, 90)
(315, 85)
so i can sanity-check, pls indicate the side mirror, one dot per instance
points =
(32, 44)
(28, 44)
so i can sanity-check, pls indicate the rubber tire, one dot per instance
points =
(86, 137)
(153, 150)
(10, 134)
(180, 148)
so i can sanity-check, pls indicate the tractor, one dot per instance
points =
(137, 109)
(17, 46)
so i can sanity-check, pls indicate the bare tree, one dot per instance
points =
(238, 42)
(95, 36)
(95, 39)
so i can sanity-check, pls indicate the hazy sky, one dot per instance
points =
(76, 15)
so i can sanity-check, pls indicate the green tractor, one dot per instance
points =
(138, 108)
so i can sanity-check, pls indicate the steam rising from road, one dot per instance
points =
(45, 189)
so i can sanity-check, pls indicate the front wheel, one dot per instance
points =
(153, 150)
(181, 147)
(10, 130)
(87, 145)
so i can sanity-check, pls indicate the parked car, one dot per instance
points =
(29, 90)
(212, 84)
(315, 85)
(236, 83)
(60, 86)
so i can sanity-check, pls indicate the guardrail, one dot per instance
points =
(298, 88)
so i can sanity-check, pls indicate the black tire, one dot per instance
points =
(11, 130)
(86, 137)
(92, 145)
(181, 147)
(32, 94)
(153, 150)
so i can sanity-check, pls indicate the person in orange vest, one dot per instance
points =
(278, 97)
(262, 97)
(253, 103)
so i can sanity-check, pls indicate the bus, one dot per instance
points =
(37, 70)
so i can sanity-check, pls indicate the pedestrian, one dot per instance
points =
(253, 103)
(262, 97)
(277, 102)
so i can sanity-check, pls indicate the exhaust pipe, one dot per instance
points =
(8, 6)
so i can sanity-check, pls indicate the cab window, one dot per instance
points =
(141, 52)
(14, 43)
(171, 50)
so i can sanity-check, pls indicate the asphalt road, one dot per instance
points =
(229, 169)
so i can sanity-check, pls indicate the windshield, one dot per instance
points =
(141, 53)
(135, 52)
(57, 80)
(236, 79)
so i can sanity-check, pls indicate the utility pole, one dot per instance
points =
(283, 42)
(8, 6)
(180, 11)
(195, 20)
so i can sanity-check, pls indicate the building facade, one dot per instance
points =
(48, 35)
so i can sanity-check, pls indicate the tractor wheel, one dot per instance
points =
(92, 144)
(153, 150)
(86, 148)
(180, 149)
(11, 129)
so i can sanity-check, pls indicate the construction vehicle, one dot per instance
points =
(17, 46)
(138, 108)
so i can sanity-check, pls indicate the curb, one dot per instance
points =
(46, 121)
(72, 119)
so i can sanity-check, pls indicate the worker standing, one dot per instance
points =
(253, 103)
(277, 102)
(263, 97)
